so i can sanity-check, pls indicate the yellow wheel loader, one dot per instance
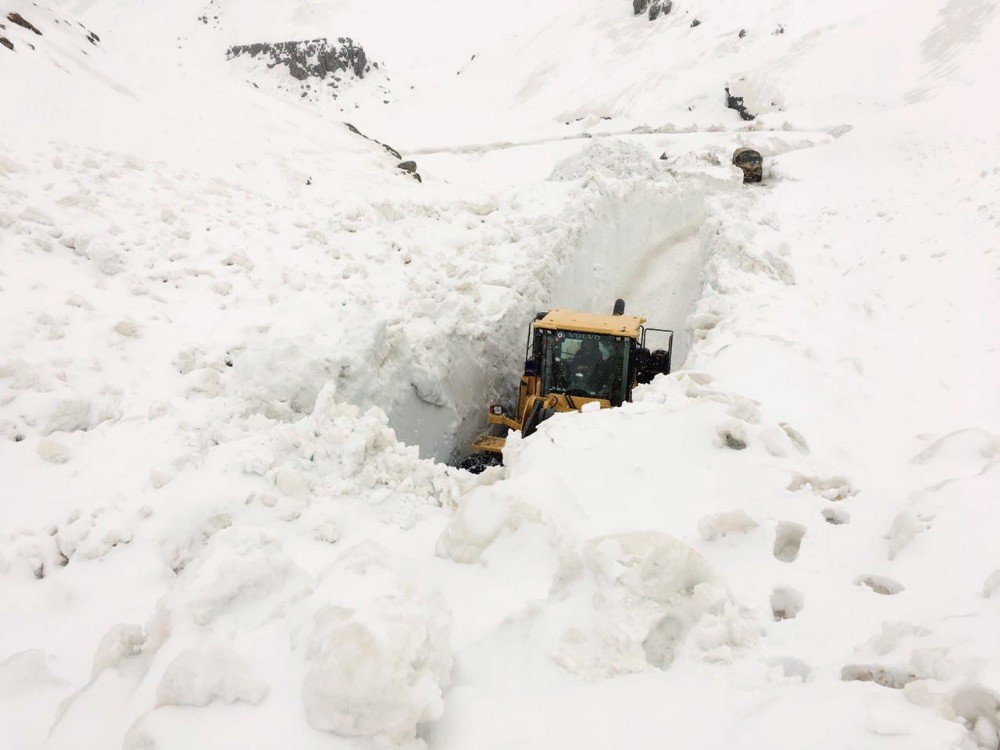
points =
(573, 359)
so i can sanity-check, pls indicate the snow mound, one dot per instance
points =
(378, 649)
(206, 673)
(481, 517)
(608, 158)
(656, 600)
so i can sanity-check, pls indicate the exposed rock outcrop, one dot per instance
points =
(314, 58)
(386, 146)
(17, 18)
(736, 103)
(655, 8)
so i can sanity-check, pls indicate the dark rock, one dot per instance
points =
(660, 8)
(779, 30)
(736, 102)
(695, 22)
(314, 58)
(7, 43)
(410, 167)
(639, 6)
(743, 33)
(22, 22)
(386, 146)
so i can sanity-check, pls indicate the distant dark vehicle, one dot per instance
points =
(751, 162)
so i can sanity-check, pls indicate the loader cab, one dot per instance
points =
(587, 356)
(585, 365)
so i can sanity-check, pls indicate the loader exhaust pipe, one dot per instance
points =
(619, 308)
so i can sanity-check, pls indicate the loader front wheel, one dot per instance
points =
(477, 463)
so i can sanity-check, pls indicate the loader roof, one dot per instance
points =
(613, 325)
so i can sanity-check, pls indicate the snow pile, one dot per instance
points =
(378, 664)
(369, 639)
(655, 597)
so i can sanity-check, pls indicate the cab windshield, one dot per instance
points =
(591, 365)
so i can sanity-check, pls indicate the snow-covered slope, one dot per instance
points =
(239, 341)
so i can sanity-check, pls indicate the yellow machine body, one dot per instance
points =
(535, 401)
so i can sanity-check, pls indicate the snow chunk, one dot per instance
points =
(69, 415)
(52, 451)
(834, 488)
(107, 259)
(653, 598)
(480, 519)
(121, 642)
(23, 670)
(649, 564)
(291, 483)
(378, 649)
(207, 673)
(127, 327)
(242, 573)
(992, 585)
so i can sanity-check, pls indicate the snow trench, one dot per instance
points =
(629, 229)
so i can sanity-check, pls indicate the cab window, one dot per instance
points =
(585, 364)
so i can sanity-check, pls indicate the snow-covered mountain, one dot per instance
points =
(241, 344)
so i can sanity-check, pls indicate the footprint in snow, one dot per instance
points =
(792, 667)
(788, 540)
(835, 488)
(732, 435)
(880, 584)
(836, 516)
(786, 603)
(890, 677)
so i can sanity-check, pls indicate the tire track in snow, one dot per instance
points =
(665, 287)
(477, 148)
